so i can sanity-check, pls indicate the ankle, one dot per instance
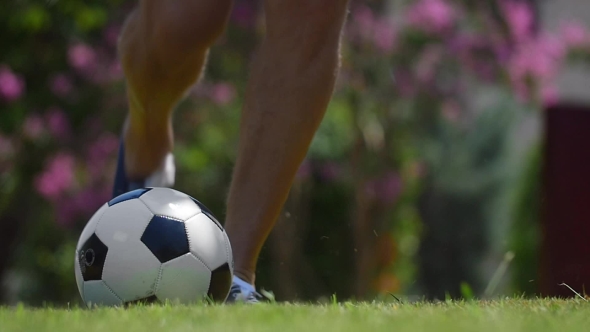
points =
(145, 156)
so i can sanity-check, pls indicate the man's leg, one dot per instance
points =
(290, 85)
(163, 48)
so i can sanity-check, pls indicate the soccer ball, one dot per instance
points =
(153, 244)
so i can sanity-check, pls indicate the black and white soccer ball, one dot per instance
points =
(153, 244)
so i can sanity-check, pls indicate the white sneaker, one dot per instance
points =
(243, 292)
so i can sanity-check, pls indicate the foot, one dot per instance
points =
(243, 292)
(163, 177)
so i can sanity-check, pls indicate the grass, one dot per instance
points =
(540, 315)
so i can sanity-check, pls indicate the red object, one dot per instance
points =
(565, 248)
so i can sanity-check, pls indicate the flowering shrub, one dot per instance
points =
(403, 94)
(12, 85)
(412, 79)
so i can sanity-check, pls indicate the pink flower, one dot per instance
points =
(61, 85)
(520, 19)
(222, 93)
(12, 86)
(82, 57)
(34, 126)
(384, 35)
(536, 61)
(57, 177)
(57, 122)
(574, 34)
(363, 21)
(551, 46)
(366, 27)
(433, 16)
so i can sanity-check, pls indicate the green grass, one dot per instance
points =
(503, 315)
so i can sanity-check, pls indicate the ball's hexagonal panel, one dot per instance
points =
(206, 241)
(131, 272)
(184, 279)
(96, 293)
(220, 283)
(171, 203)
(207, 212)
(122, 223)
(91, 258)
(134, 194)
(90, 227)
(166, 238)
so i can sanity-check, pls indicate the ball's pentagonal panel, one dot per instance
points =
(184, 279)
(134, 194)
(90, 227)
(220, 283)
(131, 272)
(166, 238)
(171, 203)
(97, 293)
(79, 260)
(91, 258)
(207, 212)
(123, 223)
(206, 241)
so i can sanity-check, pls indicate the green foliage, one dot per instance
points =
(405, 157)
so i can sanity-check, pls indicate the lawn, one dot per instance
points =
(503, 315)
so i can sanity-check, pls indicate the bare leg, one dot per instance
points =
(290, 86)
(163, 48)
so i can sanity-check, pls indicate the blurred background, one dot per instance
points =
(452, 162)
